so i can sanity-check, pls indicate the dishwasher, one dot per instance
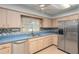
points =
(18, 47)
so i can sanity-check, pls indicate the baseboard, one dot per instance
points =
(54, 45)
(48, 47)
(64, 51)
(45, 48)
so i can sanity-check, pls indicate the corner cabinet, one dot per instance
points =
(55, 39)
(47, 41)
(55, 23)
(9, 19)
(46, 23)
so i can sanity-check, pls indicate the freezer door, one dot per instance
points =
(61, 42)
(61, 36)
(71, 43)
(71, 37)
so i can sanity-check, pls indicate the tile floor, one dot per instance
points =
(51, 50)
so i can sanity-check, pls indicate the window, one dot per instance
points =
(30, 24)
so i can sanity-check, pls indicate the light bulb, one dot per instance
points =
(42, 5)
(66, 5)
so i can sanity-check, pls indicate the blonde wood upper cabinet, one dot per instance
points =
(54, 23)
(5, 48)
(71, 17)
(3, 18)
(9, 19)
(13, 19)
(46, 23)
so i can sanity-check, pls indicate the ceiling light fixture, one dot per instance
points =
(61, 6)
(42, 8)
(66, 5)
(42, 5)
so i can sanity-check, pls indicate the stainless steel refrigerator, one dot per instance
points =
(68, 39)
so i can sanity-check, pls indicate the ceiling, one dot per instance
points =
(50, 9)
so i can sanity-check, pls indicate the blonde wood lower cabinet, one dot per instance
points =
(35, 45)
(39, 43)
(55, 39)
(47, 41)
(27, 47)
(5, 48)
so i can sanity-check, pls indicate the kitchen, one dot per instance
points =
(38, 29)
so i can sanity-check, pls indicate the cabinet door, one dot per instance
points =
(2, 18)
(55, 39)
(54, 23)
(46, 23)
(40, 44)
(33, 46)
(5, 49)
(50, 42)
(27, 47)
(13, 19)
(47, 41)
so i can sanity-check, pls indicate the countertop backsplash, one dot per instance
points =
(9, 31)
(16, 31)
(51, 30)
(16, 35)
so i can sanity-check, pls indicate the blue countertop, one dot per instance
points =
(12, 38)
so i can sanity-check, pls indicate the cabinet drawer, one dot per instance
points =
(3, 46)
(5, 51)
